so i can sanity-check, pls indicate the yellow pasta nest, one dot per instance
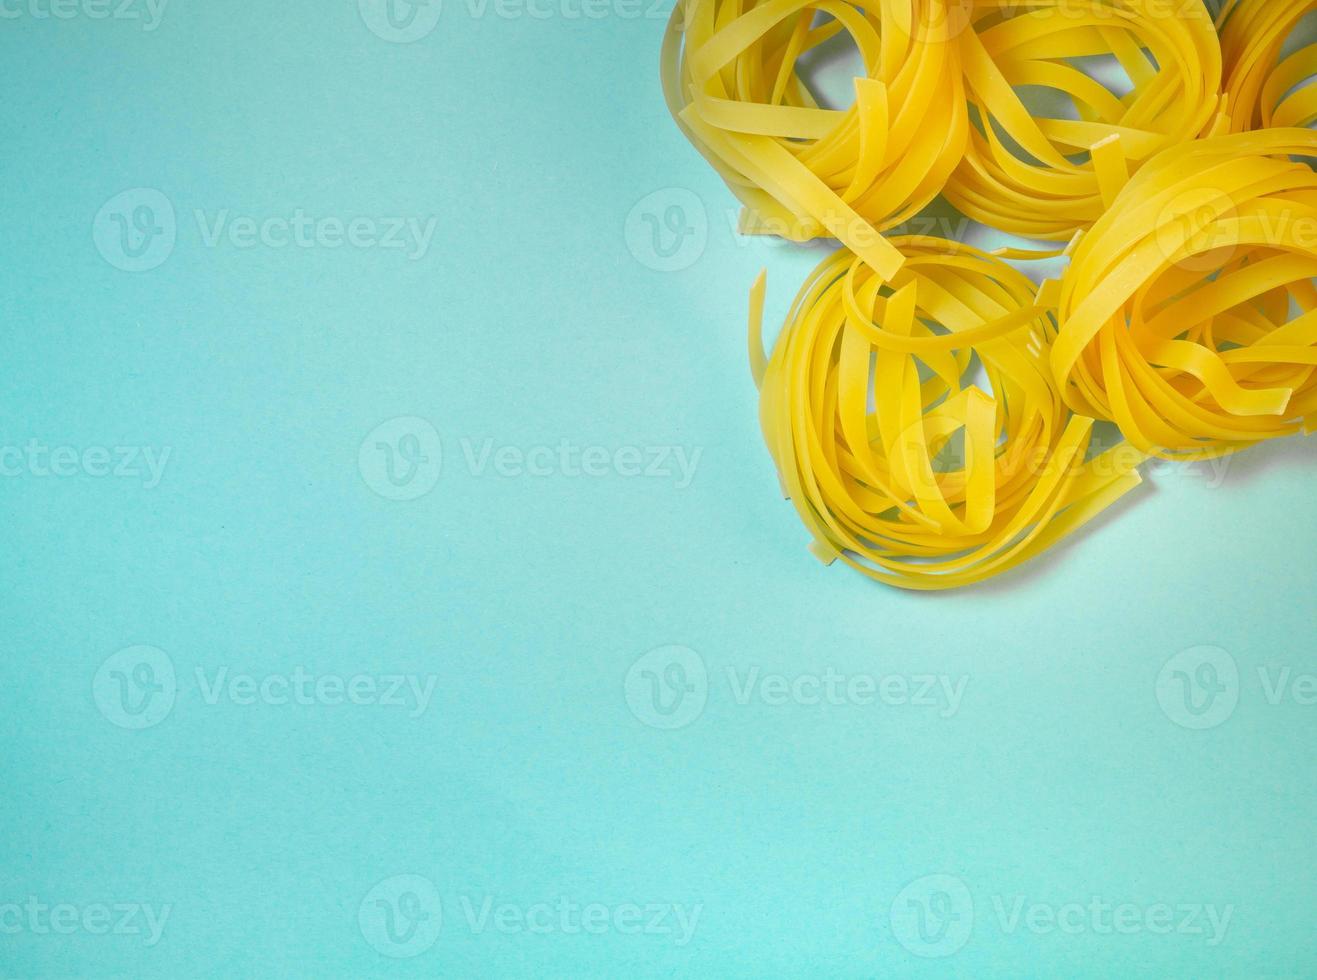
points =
(1262, 89)
(895, 462)
(1188, 314)
(731, 76)
(1032, 174)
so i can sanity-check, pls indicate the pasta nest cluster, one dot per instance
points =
(929, 410)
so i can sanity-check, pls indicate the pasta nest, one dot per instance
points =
(1188, 314)
(732, 77)
(1030, 171)
(1262, 88)
(898, 462)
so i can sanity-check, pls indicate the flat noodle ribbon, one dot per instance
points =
(893, 461)
(1188, 314)
(1262, 89)
(731, 79)
(1033, 176)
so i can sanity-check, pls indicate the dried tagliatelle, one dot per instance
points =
(732, 78)
(1188, 314)
(1262, 89)
(895, 461)
(1029, 169)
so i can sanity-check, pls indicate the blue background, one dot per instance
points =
(540, 314)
